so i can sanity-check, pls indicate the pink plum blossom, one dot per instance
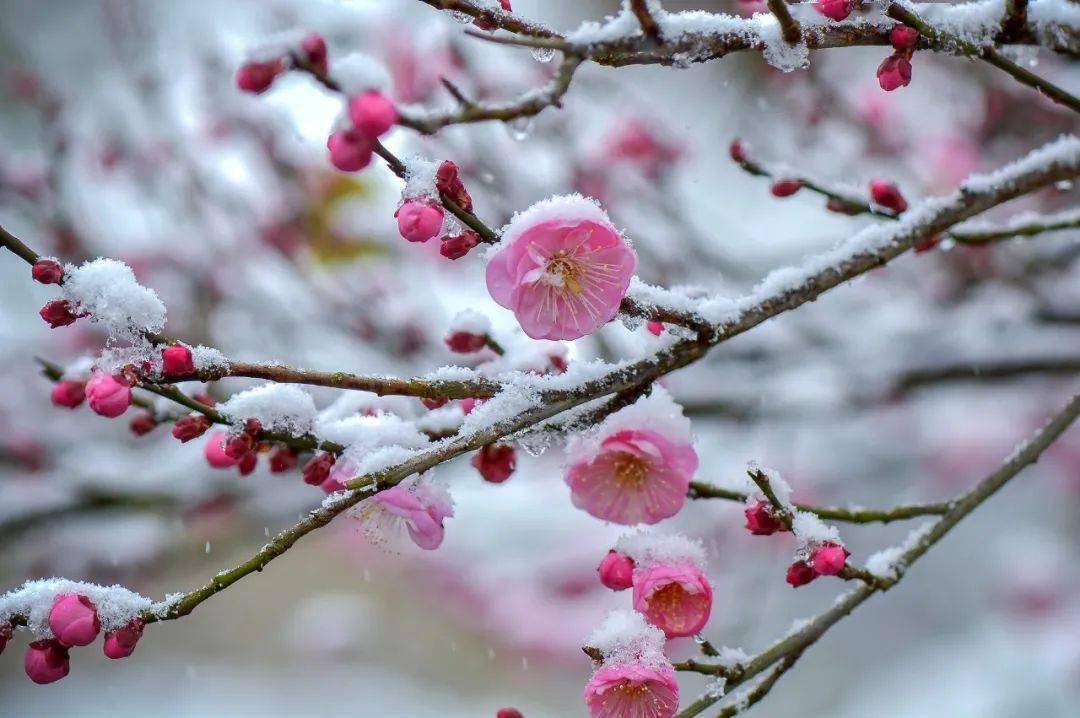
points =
(636, 476)
(419, 507)
(419, 220)
(46, 661)
(632, 690)
(349, 150)
(73, 620)
(674, 597)
(69, 394)
(563, 279)
(834, 9)
(372, 114)
(176, 360)
(109, 396)
(616, 571)
(828, 559)
(214, 451)
(121, 642)
(894, 72)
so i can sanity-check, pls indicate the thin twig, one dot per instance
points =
(788, 25)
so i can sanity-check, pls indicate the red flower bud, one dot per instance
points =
(887, 194)
(142, 423)
(786, 187)
(465, 342)
(247, 464)
(314, 49)
(894, 72)
(616, 571)
(800, 573)
(903, 37)
(433, 403)
(317, 468)
(739, 151)
(508, 712)
(925, 245)
(176, 360)
(58, 313)
(258, 76)
(495, 462)
(121, 642)
(760, 520)
(283, 458)
(558, 363)
(47, 271)
(458, 246)
(834, 9)
(449, 183)
(191, 426)
(829, 558)
(68, 393)
(237, 446)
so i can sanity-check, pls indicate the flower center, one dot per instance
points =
(630, 471)
(562, 270)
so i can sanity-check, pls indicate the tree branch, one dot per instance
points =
(789, 26)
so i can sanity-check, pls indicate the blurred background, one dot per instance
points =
(122, 135)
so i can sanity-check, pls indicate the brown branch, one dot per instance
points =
(984, 371)
(648, 23)
(788, 25)
(1015, 20)
(494, 16)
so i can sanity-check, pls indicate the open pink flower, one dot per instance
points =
(636, 476)
(632, 690)
(420, 508)
(562, 278)
(674, 597)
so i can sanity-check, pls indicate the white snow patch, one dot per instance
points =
(648, 547)
(625, 637)
(107, 290)
(280, 407)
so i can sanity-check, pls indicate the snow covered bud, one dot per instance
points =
(616, 571)
(636, 475)
(372, 114)
(490, 27)
(835, 9)
(420, 507)
(176, 360)
(142, 423)
(632, 689)
(495, 462)
(68, 393)
(887, 194)
(282, 459)
(313, 48)
(46, 661)
(800, 573)
(828, 558)
(5, 635)
(47, 271)
(894, 72)
(109, 396)
(449, 183)
(257, 77)
(58, 313)
(674, 597)
(317, 468)
(786, 187)
(903, 37)
(465, 342)
(73, 620)
(507, 712)
(214, 450)
(739, 151)
(760, 520)
(654, 327)
(121, 642)
(191, 426)
(419, 220)
(563, 277)
(458, 245)
(349, 150)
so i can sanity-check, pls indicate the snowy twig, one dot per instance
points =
(493, 15)
(795, 643)
(789, 26)
(645, 18)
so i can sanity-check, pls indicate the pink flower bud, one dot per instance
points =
(109, 396)
(282, 459)
(616, 571)
(495, 462)
(176, 360)
(760, 520)
(828, 558)
(247, 464)
(489, 27)
(800, 573)
(237, 446)
(47, 271)
(317, 468)
(448, 182)
(5, 635)
(372, 114)
(655, 328)
(121, 642)
(349, 150)
(68, 393)
(468, 404)
(214, 450)
(507, 712)
(142, 423)
(893, 72)
(419, 220)
(458, 246)
(58, 313)
(258, 76)
(73, 620)
(834, 9)
(786, 187)
(903, 37)
(465, 342)
(191, 426)
(314, 49)
(46, 661)
(738, 151)
(430, 403)
(887, 194)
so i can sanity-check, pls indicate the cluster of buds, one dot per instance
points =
(73, 620)
(57, 312)
(224, 450)
(257, 76)
(371, 115)
(450, 187)
(825, 559)
(895, 70)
